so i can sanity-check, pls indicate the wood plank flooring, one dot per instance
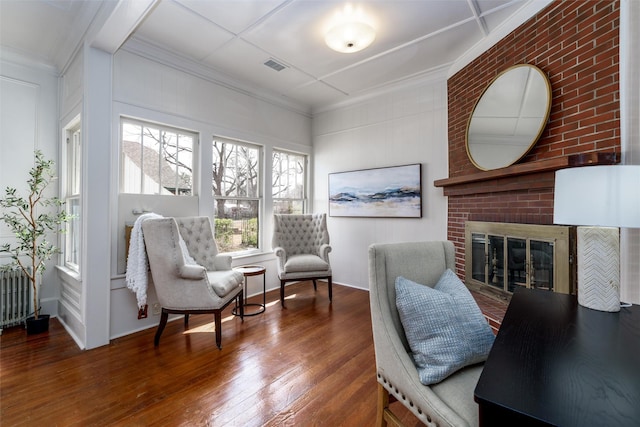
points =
(311, 364)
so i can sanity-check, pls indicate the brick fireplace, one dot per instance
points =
(577, 45)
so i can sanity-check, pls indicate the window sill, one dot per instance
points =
(256, 256)
(66, 272)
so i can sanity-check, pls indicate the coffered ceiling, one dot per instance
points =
(231, 40)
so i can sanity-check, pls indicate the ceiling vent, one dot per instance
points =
(271, 63)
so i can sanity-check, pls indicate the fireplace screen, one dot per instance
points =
(505, 256)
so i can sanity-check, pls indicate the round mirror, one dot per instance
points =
(509, 117)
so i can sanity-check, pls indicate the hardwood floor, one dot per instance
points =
(311, 364)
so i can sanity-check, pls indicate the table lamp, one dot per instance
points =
(599, 200)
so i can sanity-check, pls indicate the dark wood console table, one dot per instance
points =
(557, 363)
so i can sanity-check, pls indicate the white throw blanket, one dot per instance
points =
(137, 262)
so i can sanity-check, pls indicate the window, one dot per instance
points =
(156, 159)
(72, 245)
(236, 192)
(289, 177)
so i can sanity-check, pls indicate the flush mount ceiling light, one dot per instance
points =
(349, 31)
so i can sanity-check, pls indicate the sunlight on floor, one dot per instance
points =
(210, 328)
(207, 328)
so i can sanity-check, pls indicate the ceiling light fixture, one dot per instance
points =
(350, 32)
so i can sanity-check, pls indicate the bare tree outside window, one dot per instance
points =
(235, 187)
(156, 159)
(289, 177)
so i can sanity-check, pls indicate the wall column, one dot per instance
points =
(96, 129)
(630, 140)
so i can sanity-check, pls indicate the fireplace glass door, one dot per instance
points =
(504, 257)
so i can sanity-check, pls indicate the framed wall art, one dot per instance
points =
(390, 192)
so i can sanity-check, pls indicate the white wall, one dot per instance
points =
(406, 126)
(28, 121)
(147, 89)
(630, 136)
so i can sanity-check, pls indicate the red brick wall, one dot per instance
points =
(576, 43)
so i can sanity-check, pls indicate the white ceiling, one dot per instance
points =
(232, 39)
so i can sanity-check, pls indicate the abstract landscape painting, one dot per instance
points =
(382, 192)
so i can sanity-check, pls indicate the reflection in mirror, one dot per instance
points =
(509, 117)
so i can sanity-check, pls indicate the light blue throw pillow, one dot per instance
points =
(444, 326)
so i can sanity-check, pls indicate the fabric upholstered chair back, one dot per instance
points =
(197, 233)
(300, 234)
(165, 256)
(422, 262)
(189, 275)
(447, 403)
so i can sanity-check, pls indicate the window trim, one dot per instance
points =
(178, 131)
(259, 198)
(305, 178)
(72, 155)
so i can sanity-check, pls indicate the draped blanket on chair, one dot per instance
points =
(137, 262)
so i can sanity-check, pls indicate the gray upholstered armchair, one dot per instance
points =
(189, 275)
(301, 243)
(447, 403)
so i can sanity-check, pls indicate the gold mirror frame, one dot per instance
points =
(509, 117)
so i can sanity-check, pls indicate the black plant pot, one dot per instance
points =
(39, 325)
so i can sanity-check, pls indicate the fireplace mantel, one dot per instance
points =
(459, 185)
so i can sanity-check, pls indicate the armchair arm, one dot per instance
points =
(281, 254)
(222, 262)
(192, 272)
(324, 250)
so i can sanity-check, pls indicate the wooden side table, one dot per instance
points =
(247, 271)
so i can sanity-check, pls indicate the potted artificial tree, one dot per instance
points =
(30, 219)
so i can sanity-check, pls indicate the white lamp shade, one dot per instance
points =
(598, 196)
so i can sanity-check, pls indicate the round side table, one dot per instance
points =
(252, 270)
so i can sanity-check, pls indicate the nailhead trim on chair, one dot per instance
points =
(398, 395)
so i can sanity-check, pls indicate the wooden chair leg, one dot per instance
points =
(218, 322)
(384, 416)
(163, 322)
(282, 293)
(383, 404)
(330, 289)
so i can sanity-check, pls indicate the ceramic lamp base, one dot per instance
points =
(599, 268)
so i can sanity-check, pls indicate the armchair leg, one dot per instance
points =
(315, 285)
(383, 403)
(240, 304)
(330, 288)
(161, 325)
(218, 321)
(186, 321)
(384, 416)
(282, 293)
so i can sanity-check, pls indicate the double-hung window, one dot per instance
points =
(289, 182)
(73, 153)
(156, 159)
(236, 193)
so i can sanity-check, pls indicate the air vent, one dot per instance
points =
(271, 63)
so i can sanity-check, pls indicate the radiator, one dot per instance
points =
(15, 297)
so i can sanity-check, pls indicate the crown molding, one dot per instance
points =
(138, 46)
(436, 74)
(22, 59)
